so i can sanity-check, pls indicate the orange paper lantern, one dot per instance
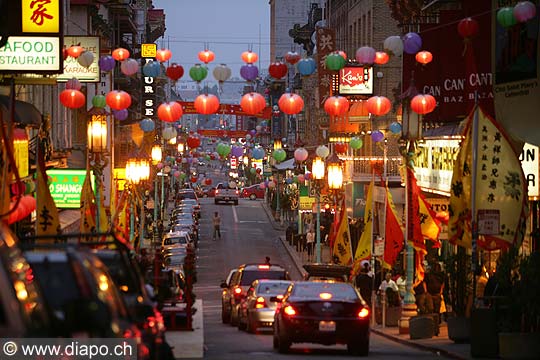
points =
(290, 104)
(253, 103)
(381, 57)
(118, 100)
(163, 55)
(72, 98)
(206, 56)
(206, 104)
(120, 54)
(75, 50)
(170, 112)
(379, 105)
(249, 57)
(336, 105)
(423, 104)
(424, 57)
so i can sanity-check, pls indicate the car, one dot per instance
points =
(322, 312)
(185, 194)
(322, 271)
(253, 192)
(177, 238)
(23, 309)
(226, 193)
(256, 309)
(236, 290)
(225, 298)
(78, 287)
(209, 192)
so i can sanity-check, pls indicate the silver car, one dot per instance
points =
(256, 310)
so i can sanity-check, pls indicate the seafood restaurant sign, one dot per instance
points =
(37, 41)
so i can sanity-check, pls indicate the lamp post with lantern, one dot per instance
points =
(157, 155)
(334, 170)
(317, 171)
(97, 149)
(137, 170)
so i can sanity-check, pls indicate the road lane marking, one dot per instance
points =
(235, 216)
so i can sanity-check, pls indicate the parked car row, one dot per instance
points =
(76, 289)
(325, 309)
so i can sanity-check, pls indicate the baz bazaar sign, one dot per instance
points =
(354, 80)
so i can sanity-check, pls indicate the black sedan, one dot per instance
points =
(323, 312)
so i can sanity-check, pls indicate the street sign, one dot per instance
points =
(489, 221)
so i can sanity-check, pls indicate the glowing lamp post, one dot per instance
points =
(97, 146)
(317, 171)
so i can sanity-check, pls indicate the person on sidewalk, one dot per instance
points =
(364, 282)
(310, 243)
(216, 220)
(434, 281)
(401, 282)
(390, 289)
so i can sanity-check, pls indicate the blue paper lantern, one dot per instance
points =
(147, 125)
(151, 69)
(306, 66)
(257, 153)
(395, 128)
(412, 43)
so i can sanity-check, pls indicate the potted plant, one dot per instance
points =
(519, 317)
(458, 291)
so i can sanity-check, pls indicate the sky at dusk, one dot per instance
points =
(227, 27)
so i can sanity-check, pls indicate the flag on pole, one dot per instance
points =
(394, 238)
(413, 190)
(341, 250)
(363, 249)
(47, 221)
(430, 225)
(502, 202)
(88, 206)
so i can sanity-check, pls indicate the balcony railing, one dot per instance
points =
(362, 168)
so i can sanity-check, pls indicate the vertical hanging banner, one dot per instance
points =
(326, 44)
(47, 220)
(148, 53)
(363, 249)
(516, 68)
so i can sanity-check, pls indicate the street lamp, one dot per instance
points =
(317, 171)
(180, 148)
(97, 147)
(137, 170)
(157, 155)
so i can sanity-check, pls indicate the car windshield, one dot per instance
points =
(249, 276)
(175, 240)
(272, 288)
(59, 284)
(313, 290)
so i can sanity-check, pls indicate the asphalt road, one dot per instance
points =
(247, 236)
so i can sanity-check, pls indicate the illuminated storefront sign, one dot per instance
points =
(148, 52)
(72, 68)
(40, 16)
(66, 186)
(434, 164)
(354, 80)
(26, 53)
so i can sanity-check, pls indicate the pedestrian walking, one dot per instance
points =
(310, 242)
(364, 282)
(216, 220)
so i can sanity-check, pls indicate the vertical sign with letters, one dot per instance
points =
(148, 53)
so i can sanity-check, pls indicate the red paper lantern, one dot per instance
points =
(277, 70)
(468, 28)
(378, 105)
(336, 105)
(341, 148)
(163, 55)
(423, 104)
(72, 98)
(206, 56)
(424, 57)
(253, 103)
(291, 104)
(169, 112)
(292, 57)
(174, 72)
(120, 54)
(75, 50)
(118, 100)
(249, 57)
(208, 181)
(193, 179)
(381, 57)
(193, 141)
(206, 104)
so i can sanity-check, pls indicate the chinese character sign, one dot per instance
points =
(325, 45)
(41, 16)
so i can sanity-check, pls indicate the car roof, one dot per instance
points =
(331, 271)
(176, 234)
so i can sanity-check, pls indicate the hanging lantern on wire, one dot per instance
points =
(290, 104)
(277, 70)
(206, 104)
(129, 67)
(252, 103)
(306, 66)
(163, 55)
(120, 54)
(249, 72)
(118, 99)
(423, 104)
(412, 43)
(85, 59)
(74, 84)
(249, 57)
(468, 28)
(106, 63)
(424, 57)
(151, 69)
(147, 125)
(72, 98)
(174, 72)
(365, 55)
(393, 45)
(381, 58)
(75, 51)
(378, 105)
(206, 56)
(198, 72)
(334, 61)
(170, 111)
(292, 57)
(336, 105)
(221, 73)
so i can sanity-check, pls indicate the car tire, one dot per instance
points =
(275, 340)
(251, 327)
(359, 347)
(234, 318)
(284, 345)
(225, 318)
(241, 325)
(252, 197)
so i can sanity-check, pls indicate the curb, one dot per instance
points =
(294, 256)
(275, 224)
(437, 351)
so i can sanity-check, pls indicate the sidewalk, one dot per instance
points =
(189, 344)
(439, 345)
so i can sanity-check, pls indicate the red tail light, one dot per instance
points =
(364, 313)
(264, 267)
(237, 192)
(289, 310)
(237, 290)
(260, 303)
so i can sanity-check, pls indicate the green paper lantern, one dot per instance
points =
(505, 17)
(279, 155)
(335, 62)
(198, 73)
(252, 170)
(223, 149)
(99, 101)
(356, 143)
